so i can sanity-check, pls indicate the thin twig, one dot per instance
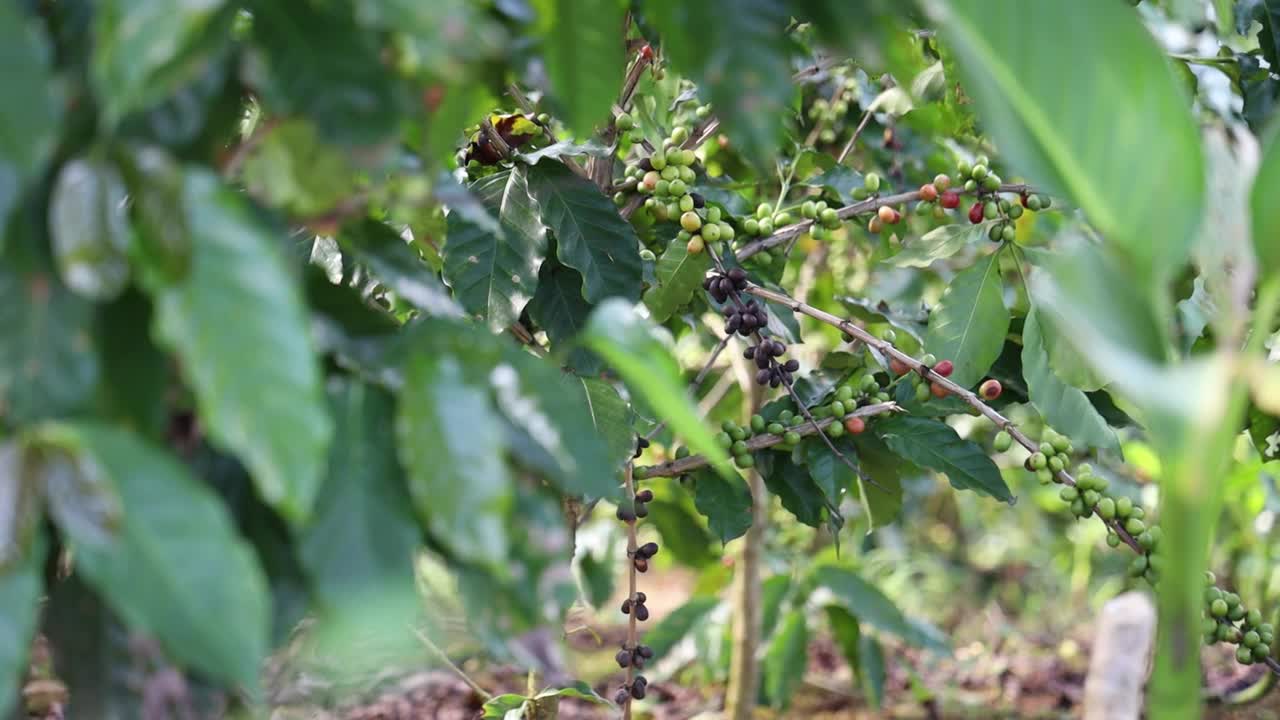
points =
(848, 147)
(485, 694)
(527, 107)
(761, 441)
(500, 145)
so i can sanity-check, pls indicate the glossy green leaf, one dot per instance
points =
(1063, 407)
(494, 274)
(933, 444)
(29, 122)
(362, 536)
(163, 241)
(450, 442)
(144, 50)
(725, 502)
(582, 44)
(560, 309)
(940, 242)
(737, 51)
(832, 475)
(292, 168)
(881, 500)
(786, 659)
(178, 570)
(680, 275)
(305, 60)
(47, 362)
(1044, 90)
(266, 405)
(20, 589)
(628, 343)
(578, 691)
(869, 605)
(1068, 363)
(397, 264)
(679, 623)
(969, 323)
(847, 634)
(610, 414)
(1265, 211)
(591, 237)
(682, 533)
(795, 487)
(871, 662)
(21, 499)
(78, 493)
(89, 229)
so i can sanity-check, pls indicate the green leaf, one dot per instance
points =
(309, 61)
(938, 243)
(178, 569)
(882, 501)
(20, 589)
(871, 662)
(831, 474)
(795, 487)
(47, 362)
(451, 442)
(679, 277)
(559, 308)
(682, 533)
(145, 50)
(869, 605)
(968, 325)
(737, 52)
(628, 343)
(291, 167)
(21, 511)
(610, 414)
(680, 622)
(89, 230)
(494, 274)
(578, 691)
(847, 634)
(725, 502)
(933, 444)
(29, 123)
(362, 536)
(591, 237)
(1045, 89)
(773, 591)
(582, 44)
(1065, 408)
(78, 493)
(154, 181)
(239, 327)
(841, 179)
(1266, 214)
(397, 265)
(786, 659)
(1067, 363)
(499, 706)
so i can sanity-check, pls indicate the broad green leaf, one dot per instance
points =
(869, 605)
(737, 52)
(89, 230)
(841, 179)
(450, 442)
(578, 691)
(610, 414)
(560, 309)
(1044, 90)
(786, 659)
(504, 706)
(933, 444)
(362, 536)
(591, 237)
(397, 264)
(847, 634)
(20, 589)
(1064, 408)
(29, 121)
(773, 591)
(178, 569)
(832, 475)
(443, 35)
(682, 533)
(725, 502)
(795, 487)
(680, 275)
(881, 501)
(306, 60)
(1265, 211)
(871, 662)
(163, 242)
(938, 243)
(674, 627)
(582, 44)
(47, 362)
(968, 325)
(238, 324)
(143, 50)
(1067, 362)
(628, 343)
(78, 493)
(292, 168)
(494, 274)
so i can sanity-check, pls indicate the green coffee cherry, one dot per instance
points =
(1134, 526)
(1091, 497)
(740, 448)
(1138, 566)
(1261, 652)
(1212, 593)
(1244, 656)
(744, 461)
(1253, 618)
(723, 440)
(979, 171)
(835, 430)
(871, 181)
(1003, 441)
(791, 437)
(738, 433)
(1045, 476)
(1008, 233)
(1124, 507)
(775, 428)
(1236, 613)
(757, 423)
(1056, 464)
(781, 219)
(1107, 509)
(990, 211)
(837, 408)
(844, 393)
(679, 134)
(1113, 539)
(1038, 461)
(1251, 639)
(1218, 608)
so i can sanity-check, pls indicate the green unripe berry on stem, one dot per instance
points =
(1244, 656)
(723, 440)
(740, 448)
(680, 134)
(791, 437)
(1003, 441)
(738, 433)
(744, 461)
(757, 423)
(1069, 494)
(835, 430)
(1038, 461)
(1253, 618)
(624, 122)
(1236, 613)
(658, 159)
(775, 428)
(781, 219)
(979, 171)
(1045, 476)
(1138, 566)
(763, 210)
(1134, 526)
(1107, 508)
(1113, 539)
(1251, 639)
(871, 181)
(1124, 507)
(1261, 652)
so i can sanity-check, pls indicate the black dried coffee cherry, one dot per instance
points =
(637, 691)
(645, 495)
(626, 514)
(642, 613)
(645, 652)
(792, 365)
(648, 550)
(623, 695)
(623, 658)
(641, 598)
(750, 352)
(762, 377)
(737, 275)
(698, 201)
(626, 606)
(642, 565)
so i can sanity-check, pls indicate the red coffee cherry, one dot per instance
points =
(950, 200)
(928, 192)
(938, 390)
(990, 390)
(897, 367)
(975, 213)
(944, 368)
(855, 425)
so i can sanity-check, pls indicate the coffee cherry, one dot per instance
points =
(855, 425)
(950, 200)
(888, 215)
(690, 221)
(1244, 656)
(791, 437)
(638, 690)
(647, 550)
(941, 181)
(1106, 508)
(990, 389)
(644, 496)
(623, 658)
(1032, 203)
(1134, 526)
(897, 367)
(975, 213)
(1003, 441)
(835, 430)
(938, 390)
(979, 171)
(928, 192)
(642, 612)
(1261, 652)
(622, 696)
(990, 210)
(1037, 461)
(1124, 507)
(1045, 476)
(871, 182)
(944, 368)
(626, 606)
(1253, 618)
(642, 510)
(680, 134)
(875, 225)
(626, 514)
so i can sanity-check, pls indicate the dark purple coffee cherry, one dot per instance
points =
(642, 510)
(622, 696)
(623, 658)
(792, 365)
(641, 597)
(762, 361)
(648, 550)
(750, 352)
(642, 612)
(763, 377)
(626, 606)
(626, 514)
(645, 495)
(637, 691)
(645, 652)
(699, 202)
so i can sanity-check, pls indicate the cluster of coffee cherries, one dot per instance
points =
(885, 214)
(926, 388)
(1226, 619)
(980, 178)
(938, 196)
(637, 689)
(634, 605)
(769, 370)
(639, 508)
(826, 219)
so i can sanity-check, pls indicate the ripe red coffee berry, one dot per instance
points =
(944, 368)
(897, 367)
(938, 391)
(887, 214)
(855, 425)
(646, 52)
(1024, 198)
(950, 200)
(975, 213)
(991, 389)
(928, 192)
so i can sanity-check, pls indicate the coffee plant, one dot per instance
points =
(351, 310)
